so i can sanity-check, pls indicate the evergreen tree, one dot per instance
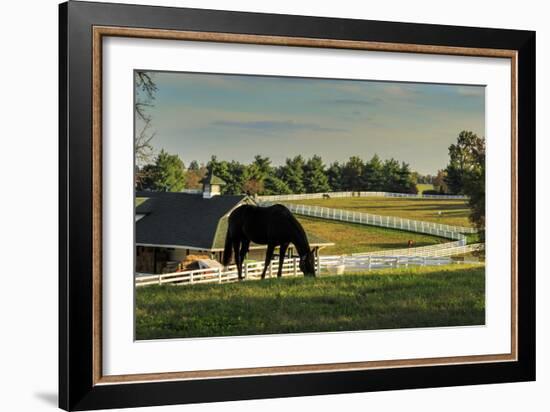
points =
(292, 173)
(193, 166)
(235, 179)
(406, 182)
(275, 186)
(352, 174)
(167, 174)
(391, 175)
(372, 176)
(334, 176)
(263, 166)
(315, 177)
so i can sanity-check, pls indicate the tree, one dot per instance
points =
(292, 173)
(262, 166)
(474, 187)
(352, 174)
(220, 168)
(167, 174)
(193, 166)
(373, 178)
(439, 181)
(406, 181)
(145, 89)
(391, 175)
(235, 178)
(253, 186)
(194, 175)
(275, 186)
(466, 174)
(461, 159)
(315, 177)
(334, 176)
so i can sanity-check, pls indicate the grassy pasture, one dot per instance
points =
(453, 212)
(424, 186)
(385, 299)
(355, 238)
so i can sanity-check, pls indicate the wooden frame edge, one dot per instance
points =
(98, 32)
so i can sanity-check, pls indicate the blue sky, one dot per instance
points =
(236, 117)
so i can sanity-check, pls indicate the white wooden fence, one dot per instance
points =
(393, 222)
(440, 250)
(328, 264)
(303, 196)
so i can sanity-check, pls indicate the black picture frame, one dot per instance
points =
(77, 390)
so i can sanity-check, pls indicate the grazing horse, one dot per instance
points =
(326, 196)
(272, 226)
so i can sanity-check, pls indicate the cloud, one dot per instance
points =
(401, 90)
(274, 126)
(472, 91)
(353, 102)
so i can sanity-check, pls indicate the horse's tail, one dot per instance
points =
(227, 249)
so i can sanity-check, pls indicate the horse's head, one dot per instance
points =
(307, 264)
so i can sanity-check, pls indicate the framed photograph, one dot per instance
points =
(257, 206)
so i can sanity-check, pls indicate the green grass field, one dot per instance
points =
(453, 212)
(355, 238)
(424, 186)
(400, 298)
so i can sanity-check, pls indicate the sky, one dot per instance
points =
(235, 117)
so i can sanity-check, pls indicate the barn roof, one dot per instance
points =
(189, 220)
(181, 219)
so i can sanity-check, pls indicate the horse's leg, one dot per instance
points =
(238, 261)
(268, 257)
(244, 250)
(282, 253)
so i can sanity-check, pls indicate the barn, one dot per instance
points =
(170, 226)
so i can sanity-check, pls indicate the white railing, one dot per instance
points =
(393, 222)
(220, 275)
(304, 196)
(253, 270)
(441, 250)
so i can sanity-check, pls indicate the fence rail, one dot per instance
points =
(321, 195)
(393, 222)
(253, 270)
(441, 250)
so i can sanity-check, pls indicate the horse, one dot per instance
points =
(272, 226)
(326, 196)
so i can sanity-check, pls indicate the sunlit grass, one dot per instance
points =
(356, 238)
(392, 298)
(453, 212)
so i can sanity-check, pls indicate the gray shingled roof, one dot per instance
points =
(181, 219)
(189, 220)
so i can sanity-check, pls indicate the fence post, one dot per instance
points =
(219, 275)
(160, 278)
(246, 271)
(191, 277)
(271, 268)
(294, 267)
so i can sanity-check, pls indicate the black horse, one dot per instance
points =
(272, 226)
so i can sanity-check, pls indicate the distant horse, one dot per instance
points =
(272, 226)
(410, 243)
(326, 196)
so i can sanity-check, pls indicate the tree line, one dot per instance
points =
(297, 175)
